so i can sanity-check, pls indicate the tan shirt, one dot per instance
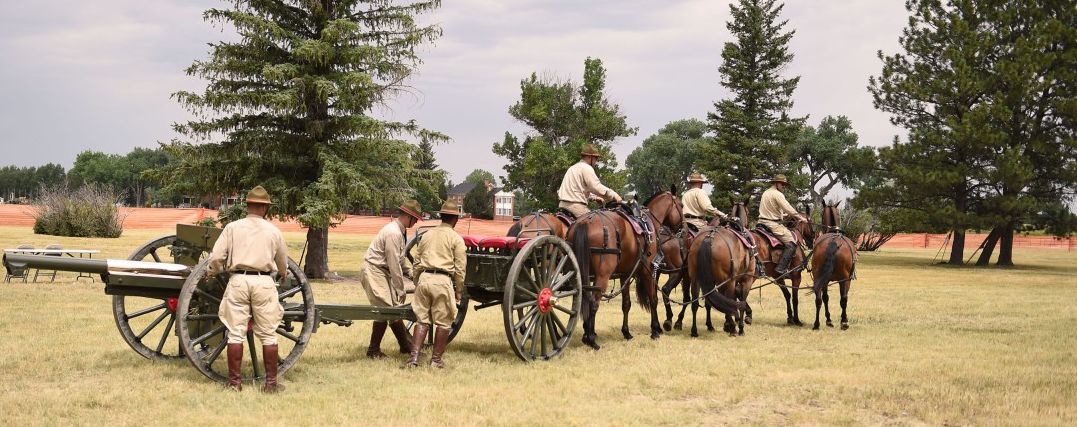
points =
(581, 180)
(252, 244)
(386, 252)
(773, 205)
(696, 203)
(442, 249)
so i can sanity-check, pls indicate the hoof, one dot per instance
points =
(710, 328)
(628, 336)
(815, 327)
(655, 335)
(677, 326)
(830, 324)
(790, 321)
(740, 333)
(748, 319)
(798, 323)
(695, 334)
(844, 326)
(591, 343)
(668, 326)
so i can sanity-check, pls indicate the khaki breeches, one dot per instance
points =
(435, 300)
(251, 296)
(578, 209)
(379, 289)
(699, 223)
(779, 231)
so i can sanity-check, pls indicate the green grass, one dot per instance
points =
(928, 344)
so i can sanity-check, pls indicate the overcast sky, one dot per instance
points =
(98, 75)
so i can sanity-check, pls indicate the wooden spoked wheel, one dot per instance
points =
(461, 306)
(204, 338)
(543, 295)
(148, 324)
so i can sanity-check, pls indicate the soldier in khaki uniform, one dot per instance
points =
(773, 208)
(441, 259)
(697, 206)
(580, 182)
(384, 275)
(250, 250)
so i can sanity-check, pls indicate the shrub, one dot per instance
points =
(89, 211)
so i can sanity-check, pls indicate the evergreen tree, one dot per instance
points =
(563, 117)
(753, 128)
(428, 184)
(288, 106)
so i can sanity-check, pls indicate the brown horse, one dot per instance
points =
(674, 246)
(722, 268)
(607, 247)
(769, 257)
(834, 255)
(538, 224)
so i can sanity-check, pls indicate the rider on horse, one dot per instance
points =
(580, 182)
(773, 208)
(697, 206)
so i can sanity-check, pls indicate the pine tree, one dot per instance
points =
(287, 106)
(753, 128)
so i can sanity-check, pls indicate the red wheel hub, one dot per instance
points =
(172, 303)
(546, 300)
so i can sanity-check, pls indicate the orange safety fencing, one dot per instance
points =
(926, 240)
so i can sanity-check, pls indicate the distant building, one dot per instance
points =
(503, 202)
(504, 205)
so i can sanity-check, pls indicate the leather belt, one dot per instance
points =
(690, 216)
(768, 219)
(572, 203)
(438, 271)
(252, 272)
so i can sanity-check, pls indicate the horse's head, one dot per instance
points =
(667, 209)
(740, 212)
(831, 220)
(803, 227)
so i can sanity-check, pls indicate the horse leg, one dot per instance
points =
(590, 309)
(707, 306)
(686, 287)
(729, 326)
(669, 286)
(695, 307)
(796, 303)
(626, 306)
(745, 314)
(818, 305)
(652, 304)
(844, 300)
(826, 306)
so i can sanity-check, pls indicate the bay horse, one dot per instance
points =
(674, 247)
(769, 257)
(606, 246)
(834, 255)
(721, 267)
(538, 224)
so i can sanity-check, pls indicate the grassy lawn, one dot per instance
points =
(927, 345)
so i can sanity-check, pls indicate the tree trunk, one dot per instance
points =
(989, 246)
(1005, 251)
(957, 248)
(316, 265)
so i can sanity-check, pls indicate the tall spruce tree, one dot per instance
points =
(287, 106)
(428, 183)
(564, 116)
(753, 128)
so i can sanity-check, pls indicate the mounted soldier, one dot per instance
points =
(697, 205)
(773, 209)
(581, 182)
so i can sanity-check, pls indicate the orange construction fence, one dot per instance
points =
(926, 240)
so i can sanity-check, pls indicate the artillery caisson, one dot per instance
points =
(165, 305)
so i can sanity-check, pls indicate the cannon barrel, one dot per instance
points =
(51, 262)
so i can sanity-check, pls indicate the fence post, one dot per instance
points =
(1070, 249)
(926, 237)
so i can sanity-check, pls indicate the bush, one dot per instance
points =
(89, 211)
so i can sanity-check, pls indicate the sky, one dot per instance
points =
(98, 75)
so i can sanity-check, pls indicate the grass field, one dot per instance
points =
(927, 345)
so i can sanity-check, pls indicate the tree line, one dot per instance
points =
(124, 174)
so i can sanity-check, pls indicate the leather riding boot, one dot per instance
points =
(441, 339)
(272, 362)
(403, 338)
(373, 351)
(235, 360)
(417, 345)
(787, 257)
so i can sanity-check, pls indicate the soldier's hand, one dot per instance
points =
(617, 198)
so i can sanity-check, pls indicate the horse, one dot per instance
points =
(675, 248)
(802, 232)
(605, 243)
(537, 224)
(834, 255)
(722, 268)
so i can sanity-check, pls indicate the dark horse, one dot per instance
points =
(606, 246)
(722, 267)
(538, 224)
(834, 255)
(769, 256)
(674, 246)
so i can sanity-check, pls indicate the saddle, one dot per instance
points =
(772, 240)
(565, 216)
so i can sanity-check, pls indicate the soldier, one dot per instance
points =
(251, 250)
(773, 208)
(697, 206)
(384, 275)
(441, 259)
(580, 182)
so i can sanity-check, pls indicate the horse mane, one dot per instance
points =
(651, 199)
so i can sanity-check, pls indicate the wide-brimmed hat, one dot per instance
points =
(590, 150)
(450, 208)
(411, 207)
(780, 178)
(696, 177)
(259, 195)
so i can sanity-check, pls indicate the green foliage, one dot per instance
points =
(753, 129)
(232, 212)
(88, 211)
(430, 180)
(1057, 220)
(666, 158)
(479, 202)
(17, 182)
(206, 222)
(479, 177)
(563, 117)
(126, 173)
(829, 155)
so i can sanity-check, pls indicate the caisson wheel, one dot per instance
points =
(148, 324)
(543, 295)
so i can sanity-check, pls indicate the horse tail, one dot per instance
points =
(514, 231)
(828, 266)
(643, 292)
(581, 247)
(705, 279)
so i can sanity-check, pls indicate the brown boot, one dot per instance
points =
(441, 339)
(373, 351)
(272, 362)
(417, 345)
(235, 361)
(403, 338)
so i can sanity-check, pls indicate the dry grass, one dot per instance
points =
(928, 345)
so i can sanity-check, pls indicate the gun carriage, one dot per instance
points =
(165, 306)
